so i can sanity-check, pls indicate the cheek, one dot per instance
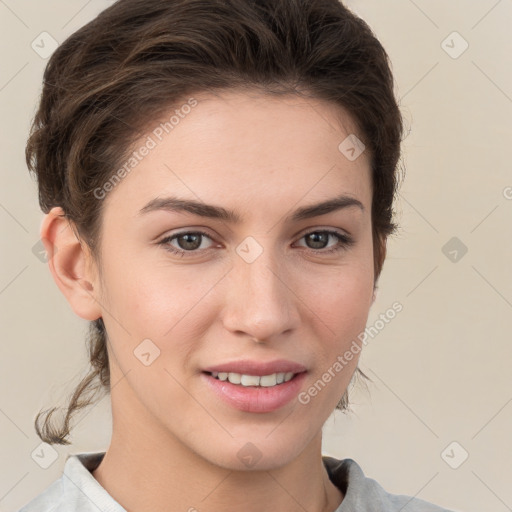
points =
(338, 302)
(150, 291)
(171, 305)
(341, 296)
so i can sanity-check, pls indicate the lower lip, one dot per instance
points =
(255, 399)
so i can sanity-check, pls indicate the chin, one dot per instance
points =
(257, 453)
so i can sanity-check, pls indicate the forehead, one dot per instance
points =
(246, 150)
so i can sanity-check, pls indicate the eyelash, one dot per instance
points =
(345, 242)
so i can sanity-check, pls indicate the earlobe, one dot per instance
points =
(69, 263)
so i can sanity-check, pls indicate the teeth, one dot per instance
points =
(254, 380)
(248, 380)
(268, 380)
(234, 378)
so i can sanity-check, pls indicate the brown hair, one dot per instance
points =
(129, 65)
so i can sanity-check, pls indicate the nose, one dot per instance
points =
(260, 301)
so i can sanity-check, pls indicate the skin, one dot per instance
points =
(173, 441)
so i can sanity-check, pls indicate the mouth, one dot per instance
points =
(254, 393)
(245, 380)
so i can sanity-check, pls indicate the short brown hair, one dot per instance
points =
(138, 58)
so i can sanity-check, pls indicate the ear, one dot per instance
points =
(71, 264)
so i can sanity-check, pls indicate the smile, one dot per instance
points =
(273, 379)
(254, 393)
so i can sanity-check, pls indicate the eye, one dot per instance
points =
(188, 241)
(320, 238)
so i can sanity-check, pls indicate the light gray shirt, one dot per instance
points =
(78, 491)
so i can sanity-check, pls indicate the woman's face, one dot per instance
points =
(266, 288)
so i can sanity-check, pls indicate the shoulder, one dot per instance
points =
(367, 495)
(50, 500)
(76, 490)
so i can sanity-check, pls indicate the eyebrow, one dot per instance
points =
(175, 204)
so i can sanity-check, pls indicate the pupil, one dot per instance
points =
(322, 236)
(195, 238)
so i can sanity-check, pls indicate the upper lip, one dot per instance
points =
(257, 368)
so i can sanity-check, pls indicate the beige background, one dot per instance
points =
(440, 369)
